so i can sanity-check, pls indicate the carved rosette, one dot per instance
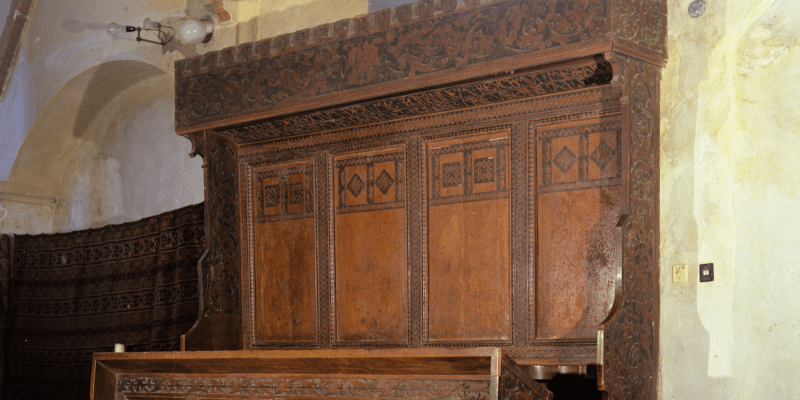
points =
(630, 337)
(220, 267)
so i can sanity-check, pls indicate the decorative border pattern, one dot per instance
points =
(544, 110)
(568, 351)
(281, 195)
(516, 87)
(416, 225)
(371, 182)
(519, 239)
(457, 173)
(420, 389)
(549, 160)
(325, 248)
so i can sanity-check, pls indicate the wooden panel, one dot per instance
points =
(579, 204)
(468, 283)
(371, 248)
(430, 374)
(284, 262)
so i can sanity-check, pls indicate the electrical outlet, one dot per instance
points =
(679, 273)
(707, 272)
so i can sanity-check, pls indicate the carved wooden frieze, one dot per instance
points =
(306, 388)
(261, 75)
(446, 374)
(586, 73)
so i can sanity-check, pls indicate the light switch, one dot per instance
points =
(679, 273)
(707, 272)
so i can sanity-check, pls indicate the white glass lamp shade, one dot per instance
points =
(193, 31)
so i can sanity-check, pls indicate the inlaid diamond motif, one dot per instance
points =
(384, 182)
(451, 174)
(602, 155)
(565, 159)
(356, 185)
(484, 170)
(297, 193)
(272, 195)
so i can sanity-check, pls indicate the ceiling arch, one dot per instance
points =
(62, 125)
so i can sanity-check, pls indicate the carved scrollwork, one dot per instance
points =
(221, 282)
(420, 389)
(643, 22)
(572, 77)
(215, 85)
(630, 337)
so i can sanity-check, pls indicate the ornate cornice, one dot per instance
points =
(430, 43)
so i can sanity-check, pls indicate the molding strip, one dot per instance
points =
(28, 199)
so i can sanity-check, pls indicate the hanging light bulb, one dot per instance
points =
(150, 28)
(115, 29)
(195, 31)
(150, 24)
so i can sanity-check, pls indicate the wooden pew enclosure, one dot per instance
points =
(439, 192)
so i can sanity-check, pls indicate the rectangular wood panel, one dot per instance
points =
(371, 248)
(284, 268)
(579, 204)
(468, 282)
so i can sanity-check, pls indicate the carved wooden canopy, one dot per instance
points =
(448, 173)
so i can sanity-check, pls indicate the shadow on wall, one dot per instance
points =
(64, 131)
(107, 82)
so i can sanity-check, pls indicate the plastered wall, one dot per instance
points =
(87, 127)
(730, 195)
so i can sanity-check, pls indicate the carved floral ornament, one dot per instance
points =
(430, 37)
